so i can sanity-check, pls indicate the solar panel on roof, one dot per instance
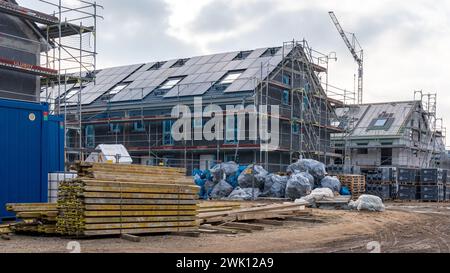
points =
(193, 69)
(217, 76)
(251, 73)
(193, 89)
(230, 56)
(204, 59)
(181, 71)
(217, 58)
(232, 65)
(260, 61)
(169, 64)
(135, 75)
(245, 64)
(193, 61)
(236, 85)
(257, 53)
(219, 67)
(146, 67)
(205, 68)
(132, 94)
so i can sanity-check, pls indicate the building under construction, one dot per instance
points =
(391, 134)
(132, 105)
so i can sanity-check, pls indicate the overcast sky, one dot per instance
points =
(406, 43)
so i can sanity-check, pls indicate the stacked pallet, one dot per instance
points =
(355, 183)
(109, 199)
(34, 218)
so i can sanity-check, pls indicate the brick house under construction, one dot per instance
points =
(132, 105)
(391, 134)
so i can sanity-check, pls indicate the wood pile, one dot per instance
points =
(133, 173)
(34, 218)
(5, 229)
(355, 183)
(235, 218)
(109, 199)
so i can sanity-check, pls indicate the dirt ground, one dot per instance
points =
(402, 228)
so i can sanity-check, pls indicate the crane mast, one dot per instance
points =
(357, 53)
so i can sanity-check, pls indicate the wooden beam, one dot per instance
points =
(269, 222)
(131, 238)
(243, 226)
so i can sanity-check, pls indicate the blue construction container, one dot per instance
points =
(31, 146)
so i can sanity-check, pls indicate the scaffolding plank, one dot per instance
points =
(67, 29)
(29, 14)
(27, 68)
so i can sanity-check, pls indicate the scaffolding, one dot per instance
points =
(311, 108)
(436, 132)
(71, 35)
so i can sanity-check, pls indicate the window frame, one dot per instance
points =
(115, 128)
(165, 85)
(379, 125)
(233, 129)
(226, 80)
(139, 129)
(285, 100)
(89, 136)
(115, 90)
(167, 133)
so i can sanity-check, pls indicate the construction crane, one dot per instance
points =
(357, 52)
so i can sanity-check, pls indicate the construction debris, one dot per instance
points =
(34, 218)
(331, 183)
(252, 212)
(244, 194)
(253, 177)
(369, 203)
(298, 186)
(252, 216)
(109, 199)
(313, 167)
(275, 186)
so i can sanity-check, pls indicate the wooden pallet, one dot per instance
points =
(355, 183)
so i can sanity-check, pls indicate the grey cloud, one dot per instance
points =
(222, 16)
(139, 31)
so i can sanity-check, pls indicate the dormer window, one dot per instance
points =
(170, 83)
(118, 88)
(242, 55)
(156, 66)
(230, 77)
(380, 122)
(180, 63)
(270, 52)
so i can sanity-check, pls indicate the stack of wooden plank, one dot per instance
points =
(5, 229)
(133, 173)
(355, 183)
(109, 199)
(34, 218)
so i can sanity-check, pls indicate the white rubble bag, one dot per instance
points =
(368, 203)
(316, 195)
